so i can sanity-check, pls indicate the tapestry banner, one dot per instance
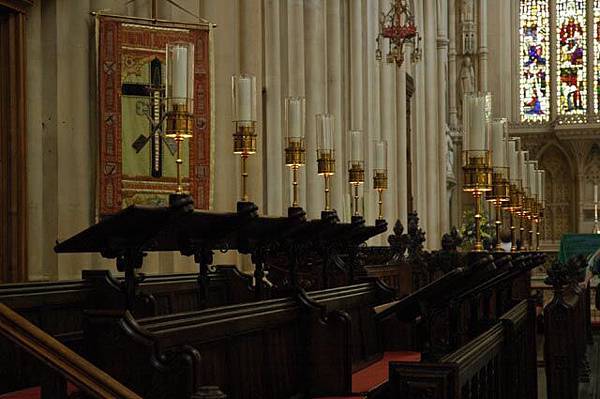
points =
(136, 162)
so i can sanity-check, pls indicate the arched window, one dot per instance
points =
(559, 41)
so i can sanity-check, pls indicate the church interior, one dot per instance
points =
(289, 199)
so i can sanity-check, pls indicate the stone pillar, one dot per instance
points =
(401, 167)
(226, 60)
(295, 72)
(483, 47)
(250, 61)
(442, 64)
(452, 93)
(316, 94)
(356, 65)
(431, 124)
(356, 83)
(37, 245)
(335, 96)
(389, 131)
(420, 176)
(372, 114)
(274, 127)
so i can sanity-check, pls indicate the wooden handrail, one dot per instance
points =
(57, 356)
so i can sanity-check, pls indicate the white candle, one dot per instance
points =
(324, 131)
(513, 160)
(295, 116)
(356, 145)
(477, 129)
(531, 179)
(380, 155)
(498, 144)
(180, 74)
(244, 98)
(522, 168)
(540, 185)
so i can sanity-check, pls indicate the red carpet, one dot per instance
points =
(32, 393)
(376, 374)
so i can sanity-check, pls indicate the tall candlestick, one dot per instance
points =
(498, 144)
(595, 193)
(513, 160)
(356, 145)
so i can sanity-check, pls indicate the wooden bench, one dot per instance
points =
(270, 349)
(499, 363)
(57, 308)
(320, 343)
(567, 329)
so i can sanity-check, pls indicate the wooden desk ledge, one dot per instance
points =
(372, 377)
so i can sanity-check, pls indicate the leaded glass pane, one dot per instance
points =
(597, 55)
(571, 58)
(535, 62)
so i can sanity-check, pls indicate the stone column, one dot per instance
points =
(36, 209)
(483, 47)
(431, 124)
(442, 62)
(335, 96)
(387, 95)
(372, 114)
(226, 60)
(250, 61)
(356, 92)
(401, 167)
(452, 93)
(420, 176)
(295, 72)
(316, 94)
(274, 127)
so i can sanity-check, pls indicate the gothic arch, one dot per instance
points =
(559, 192)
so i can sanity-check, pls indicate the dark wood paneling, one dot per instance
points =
(13, 196)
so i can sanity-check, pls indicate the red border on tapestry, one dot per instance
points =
(112, 36)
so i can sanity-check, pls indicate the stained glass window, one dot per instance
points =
(597, 55)
(535, 62)
(570, 62)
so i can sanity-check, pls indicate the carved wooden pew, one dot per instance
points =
(567, 326)
(57, 308)
(270, 349)
(499, 363)
(457, 307)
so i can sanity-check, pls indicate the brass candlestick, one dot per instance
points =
(244, 144)
(326, 168)
(380, 183)
(513, 206)
(532, 222)
(356, 177)
(540, 216)
(477, 175)
(523, 219)
(499, 194)
(295, 156)
(179, 127)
